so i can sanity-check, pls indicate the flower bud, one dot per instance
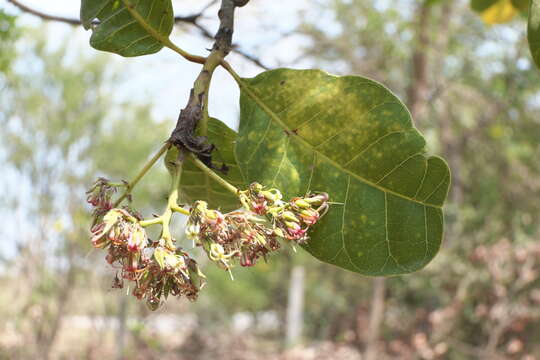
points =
(309, 216)
(279, 232)
(216, 252)
(255, 187)
(246, 261)
(292, 225)
(301, 203)
(99, 196)
(318, 199)
(259, 208)
(214, 217)
(272, 195)
(288, 215)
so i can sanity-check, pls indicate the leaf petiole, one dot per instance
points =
(213, 174)
(159, 37)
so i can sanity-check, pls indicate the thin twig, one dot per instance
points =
(142, 173)
(73, 21)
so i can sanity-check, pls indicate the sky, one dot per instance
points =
(166, 73)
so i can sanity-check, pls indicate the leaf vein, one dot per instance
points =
(375, 142)
(343, 225)
(423, 179)
(281, 162)
(436, 188)
(397, 167)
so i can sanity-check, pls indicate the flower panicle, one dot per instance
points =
(158, 269)
(253, 232)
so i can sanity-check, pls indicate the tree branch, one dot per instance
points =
(196, 110)
(73, 21)
(192, 20)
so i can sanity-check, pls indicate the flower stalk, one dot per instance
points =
(142, 173)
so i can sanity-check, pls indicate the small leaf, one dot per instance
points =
(196, 185)
(305, 130)
(534, 31)
(128, 27)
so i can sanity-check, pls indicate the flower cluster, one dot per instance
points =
(236, 235)
(156, 270)
(291, 220)
(100, 196)
(254, 232)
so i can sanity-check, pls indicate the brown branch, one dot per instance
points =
(192, 20)
(75, 22)
(196, 111)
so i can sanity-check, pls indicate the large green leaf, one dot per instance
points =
(196, 185)
(128, 27)
(305, 130)
(534, 31)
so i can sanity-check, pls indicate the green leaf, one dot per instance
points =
(196, 185)
(305, 130)
(128, 27)
(534, 31)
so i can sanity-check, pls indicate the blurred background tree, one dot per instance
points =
(473, 92)
(60, 128)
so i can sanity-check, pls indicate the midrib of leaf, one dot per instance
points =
(251, 93)
(148, 28)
